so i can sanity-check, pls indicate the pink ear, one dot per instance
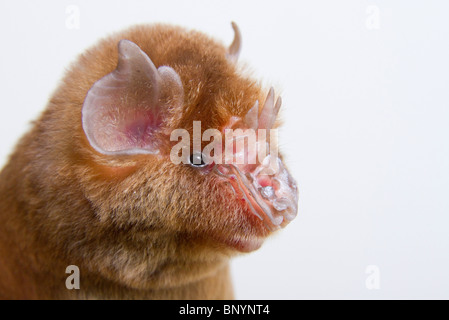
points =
(123, 110)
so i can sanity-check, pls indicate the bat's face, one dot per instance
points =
(188, 147)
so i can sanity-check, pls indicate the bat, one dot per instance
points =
(138, 176)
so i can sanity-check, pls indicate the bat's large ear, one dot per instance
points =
(124, 111)
(236, 45)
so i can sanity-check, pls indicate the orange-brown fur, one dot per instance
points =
(137, 226)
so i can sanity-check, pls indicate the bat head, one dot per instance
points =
(182, 142)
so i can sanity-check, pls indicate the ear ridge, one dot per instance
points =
(124, 110)
(133, 60)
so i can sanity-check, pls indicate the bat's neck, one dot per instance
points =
(35, 276)
(35, 256)
(217, 286)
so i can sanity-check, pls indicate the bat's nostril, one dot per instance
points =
(267, 192)
(281, 204)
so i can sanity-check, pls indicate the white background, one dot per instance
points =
(366, 108)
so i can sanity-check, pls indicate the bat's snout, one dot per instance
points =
(260, 180)
(269, 190)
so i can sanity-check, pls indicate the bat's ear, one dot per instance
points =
(236, 45)
(125, 110)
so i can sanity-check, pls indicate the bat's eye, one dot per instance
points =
(197, 160)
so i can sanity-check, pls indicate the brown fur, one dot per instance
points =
(137, 226)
